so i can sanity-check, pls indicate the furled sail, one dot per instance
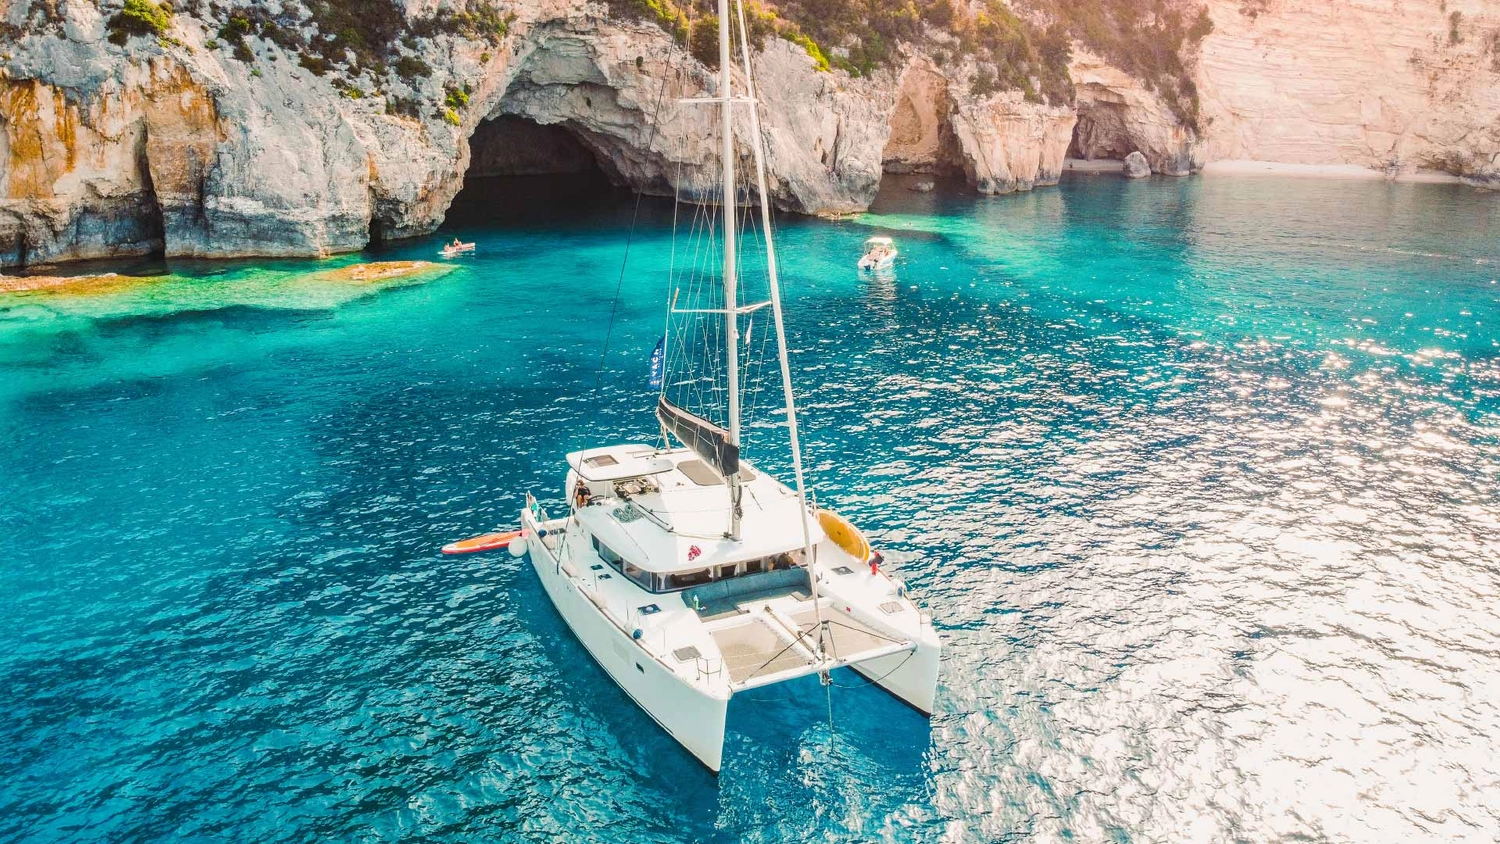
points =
(708, 440)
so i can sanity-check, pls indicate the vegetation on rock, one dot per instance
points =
(140, 17)
(356, 38)
(693, 23)
(1022, 46)
(1149, 39)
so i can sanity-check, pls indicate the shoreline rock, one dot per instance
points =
(378, 272)
(172, 145)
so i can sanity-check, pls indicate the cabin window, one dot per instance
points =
(678, 580)
(637, 574)
(684, 579)
(606, 554)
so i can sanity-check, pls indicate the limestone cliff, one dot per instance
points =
(1119, 115)
(1393, 85)
(174, 143)
(202, 139)
(1000, 142)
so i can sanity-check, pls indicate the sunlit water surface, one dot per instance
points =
(1200, 480)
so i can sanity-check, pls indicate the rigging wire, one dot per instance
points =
(630, 236)
(759, 154)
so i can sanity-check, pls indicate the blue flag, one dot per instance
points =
(657, 355)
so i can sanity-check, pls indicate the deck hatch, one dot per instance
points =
(649, 609)
(891, 607)
(687, 654)
(843, 570)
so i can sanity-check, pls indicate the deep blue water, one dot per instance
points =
(1199, 478)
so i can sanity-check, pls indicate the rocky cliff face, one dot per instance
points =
(1119, 115)
(172, 144)
(178, 143)
(1393, 85)
(1001, 143)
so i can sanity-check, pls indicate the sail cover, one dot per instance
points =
(705, 438)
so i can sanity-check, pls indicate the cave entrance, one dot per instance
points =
(520, 170)
(922, 145)
(1101, 131)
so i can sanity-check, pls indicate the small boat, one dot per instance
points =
(454, 249)
(880, 253)
(483, 542)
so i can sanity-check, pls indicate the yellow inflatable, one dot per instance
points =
(845, 535)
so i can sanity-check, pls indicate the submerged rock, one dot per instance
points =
(924, 186)
(1136, 166)
(59, 283)
(377, 272)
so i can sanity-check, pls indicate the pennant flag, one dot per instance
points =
(657, 355)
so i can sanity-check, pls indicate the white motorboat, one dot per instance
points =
(686, 573)
(455, 249)
(880, 254)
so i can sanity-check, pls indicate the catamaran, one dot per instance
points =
(686, 573)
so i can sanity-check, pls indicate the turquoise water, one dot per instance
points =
(1199, 478)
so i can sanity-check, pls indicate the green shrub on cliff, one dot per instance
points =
(457, 98)
(664, 13)
(694, 23)
(139, 17)
(820, 59)
(1020, 45)
(409, 68)
(475, 20)
(316, 64)
(1150, 39)
(703, 40)
(233, 32)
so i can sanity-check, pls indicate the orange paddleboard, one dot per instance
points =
(483, 542)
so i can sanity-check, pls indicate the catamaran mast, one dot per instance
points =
(731, 296)
(775, 288)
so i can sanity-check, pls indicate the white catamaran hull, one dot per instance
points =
(910, 676)
(693, 718)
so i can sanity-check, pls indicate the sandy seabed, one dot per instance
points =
(367, 273)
